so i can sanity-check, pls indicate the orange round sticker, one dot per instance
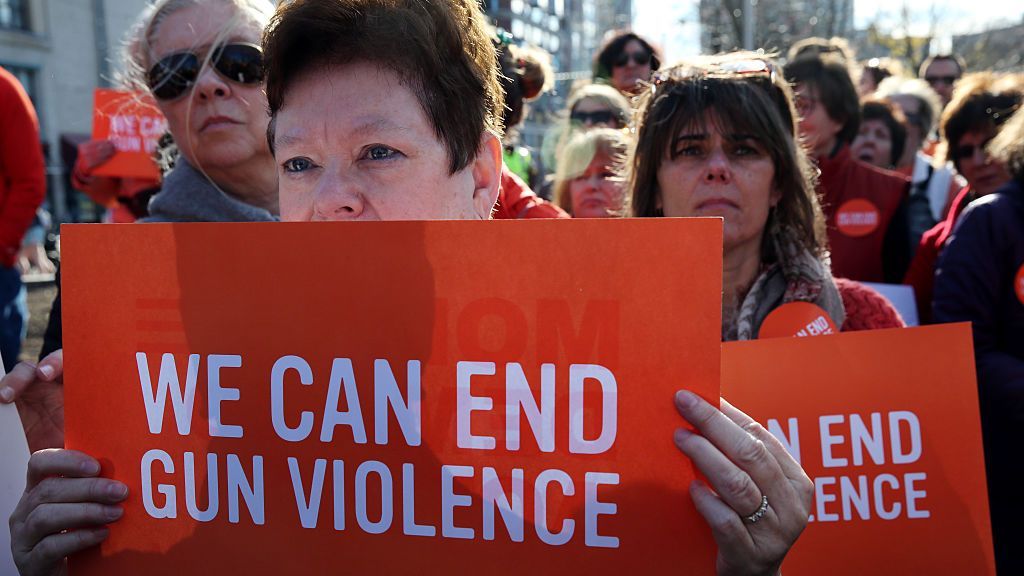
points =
(1018, 284)
(858, 217)
(797, 319)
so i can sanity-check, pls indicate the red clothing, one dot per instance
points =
(856, 255)
(516, 200)
(22, 169)
(921, 274)
(866, 309)
(109, 192)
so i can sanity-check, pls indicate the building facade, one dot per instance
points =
(62, 50)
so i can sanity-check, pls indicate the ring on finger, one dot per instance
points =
(760, 512)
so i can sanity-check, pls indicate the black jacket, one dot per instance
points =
(980, 278)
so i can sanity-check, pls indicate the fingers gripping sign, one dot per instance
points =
(66, 508)
(39, 393)
(759, 498)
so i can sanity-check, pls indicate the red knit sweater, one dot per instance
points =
(22, 170)
(866, 309)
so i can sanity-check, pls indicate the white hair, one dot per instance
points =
(931, 104)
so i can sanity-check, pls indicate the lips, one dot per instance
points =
(216, 121)
(717, 204)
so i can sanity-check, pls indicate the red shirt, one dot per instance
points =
(921, 274)
(856, 230)
(22, 169)
(516, 200)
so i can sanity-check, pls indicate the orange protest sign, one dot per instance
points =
(797, 319)
(886, 423)
(375, 397)
(134, 124)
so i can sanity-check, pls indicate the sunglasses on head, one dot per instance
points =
(752, 68)
(597, 117)
(948, 80)
(637, 58)
(175, 74)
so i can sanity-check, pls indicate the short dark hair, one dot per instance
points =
(612, 49)
(440, 49)
(831, 80)
(961, 65)
(893, 119)
(981, 101)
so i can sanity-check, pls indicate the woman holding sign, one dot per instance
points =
(372, 125)
(202, 64)
(717, 137)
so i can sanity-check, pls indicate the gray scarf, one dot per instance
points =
(188, 196)
(798, 276)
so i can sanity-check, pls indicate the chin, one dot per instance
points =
(226, 155)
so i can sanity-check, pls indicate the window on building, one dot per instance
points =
(27, 77)
(14, 14)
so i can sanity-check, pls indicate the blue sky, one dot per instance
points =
(659, 19)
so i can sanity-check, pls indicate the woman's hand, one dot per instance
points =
(39, 393)
(94, 154)
(744, 464)
(65, 509)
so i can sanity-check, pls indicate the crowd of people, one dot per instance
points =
(828, 173)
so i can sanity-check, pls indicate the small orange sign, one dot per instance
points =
(897, 463)
(858, 217)
(134, 124)
(1019, 284)
(396, 400)
(797, 319)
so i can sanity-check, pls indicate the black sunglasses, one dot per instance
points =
(968, 150)
(948, 80)
(597, 117)
(175, 74)
(638, 58)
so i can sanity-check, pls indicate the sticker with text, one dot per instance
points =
(857, 218)
(797, 319)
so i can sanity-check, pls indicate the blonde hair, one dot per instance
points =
(1008, 146)
(580, 152)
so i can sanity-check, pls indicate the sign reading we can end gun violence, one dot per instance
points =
(133, 123)
(389, 397)
(886, 424)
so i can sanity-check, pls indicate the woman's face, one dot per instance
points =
(219, 123)
(632, 64)
(353, 143)
(707, 173)
(817, 128)
(984, 174)
(596, 193)
(592, 113)
(873, 144)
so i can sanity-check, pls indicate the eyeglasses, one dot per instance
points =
(175, 74)
(947, 80)
(914, 119)
(598, 117)
(637, 58)
(969, 150)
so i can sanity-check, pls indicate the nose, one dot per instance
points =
(717, 168)
(336, 199)
(979, 158)
(210, 85)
